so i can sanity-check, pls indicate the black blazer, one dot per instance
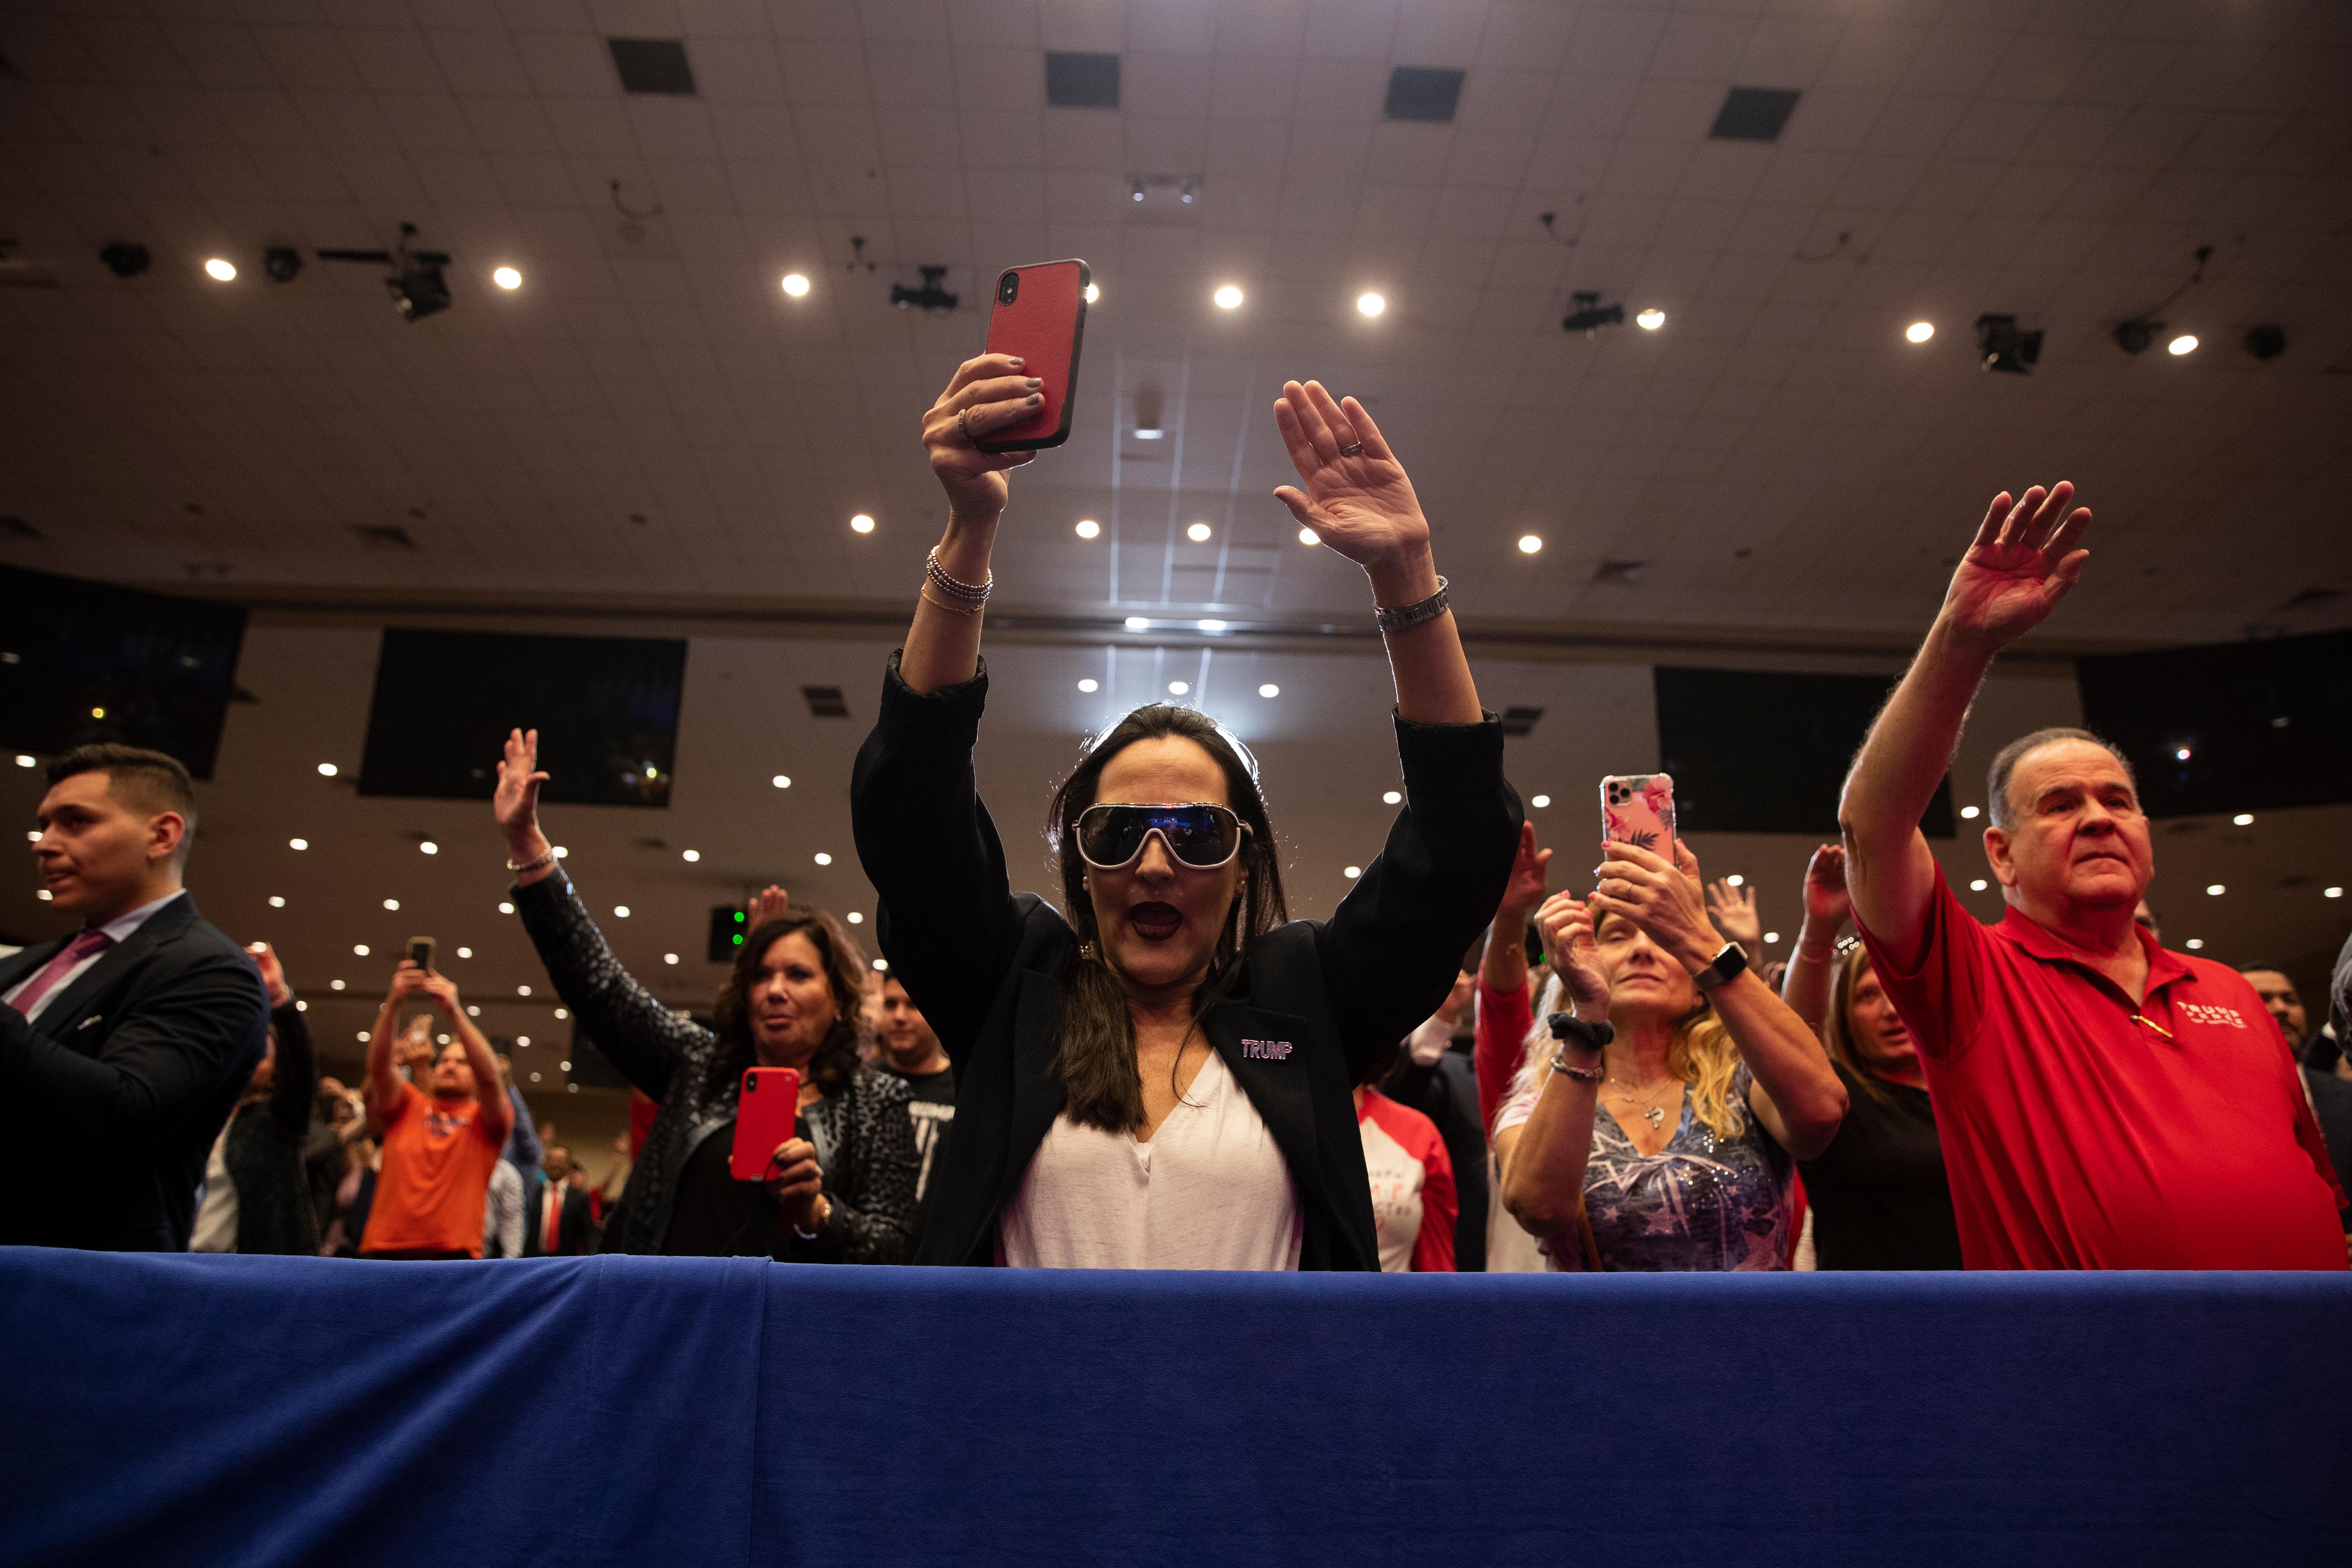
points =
(1311, 1006)
(572, 1226)
(117, 1091)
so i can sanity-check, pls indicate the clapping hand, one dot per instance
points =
(1566, 922)
(1735, 915)
(2022, 563)
(1357, 500)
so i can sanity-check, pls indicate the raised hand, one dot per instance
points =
(444, 992)
(1566, 922)
(1357, 500)
(406, 981)
(768, 904)
(1827, 904)
(985, 393)
(1525, 889)
(1734, 913)
(273, 973)
(1662, 898)
(2022, 563)
(515, 803)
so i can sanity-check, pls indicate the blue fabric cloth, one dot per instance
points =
(724, 1412)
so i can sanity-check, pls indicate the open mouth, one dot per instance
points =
(1155, 922)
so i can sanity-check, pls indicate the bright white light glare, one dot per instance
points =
(2215, 889)
(504, 908)
(391, 903)
(43, 895)
(2244, 819)
(1228, 297)
(360, 948)
(2193, 944)
(1178, 688)
(277, 900)
(1088, 528)
(25, 762)
(2331, 892)
(363, 1034)
(795, 285)
(823, 859)
(1094, 293)
(1539, 802)
(429, 847)
(222, 271)
(1149, 433)
(297, 844)
(562, 1015)
(522, 990)
(1770, 937)
(620, 911)
(507, 277)
(1269, 690)
(1977, 886)
(689, 856)
(1920, 331)
(1306, 536)
(1651, 320)
(1370, 304)
(464, 953)
(2180, 754)
(523, 1039)
(669, 958)
(1967, 813)
(880, 964)
(854, 919)
(337, 985)
(1198, 533)
(1735, 880)
(560, 852)
(326, 770)
(861, 523)
(1138, 624)
(1353, 872)
(1529, 544)
(1089, 684)
(1212, 625)
(781, 782)
(1391, 797)
(2186, 344)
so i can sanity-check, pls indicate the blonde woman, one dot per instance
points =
(1659, 1133)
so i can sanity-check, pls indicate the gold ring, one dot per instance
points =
(1356, 450)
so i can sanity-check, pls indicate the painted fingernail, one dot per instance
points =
(1018, 362)
(1035, 383)
(1036, 398)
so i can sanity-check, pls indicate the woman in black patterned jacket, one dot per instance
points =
(845, 1193)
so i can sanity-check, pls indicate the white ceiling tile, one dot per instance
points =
(1525, 34)
(569, 64)
(393, 59)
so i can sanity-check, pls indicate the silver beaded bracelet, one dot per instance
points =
(1405, 615)
(970, 592)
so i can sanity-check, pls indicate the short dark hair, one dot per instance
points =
(2274, 968)
(2005, 761)
(133, 773)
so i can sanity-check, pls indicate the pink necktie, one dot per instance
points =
(83, 944)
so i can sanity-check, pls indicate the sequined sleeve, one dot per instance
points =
(643, 1038)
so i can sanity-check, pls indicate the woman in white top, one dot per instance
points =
(1159, 1074)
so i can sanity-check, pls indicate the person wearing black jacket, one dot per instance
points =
(257, 1191)
(123, 1048)
(1163, 1077)
(573, 1229)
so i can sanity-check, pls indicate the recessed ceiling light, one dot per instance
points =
(1977, 886)
(1539, 802)
(669, 958)
(620, 911)
(1089, 684)
(391, 903)
(561, 853)
(522, 990)
(861, 523)
(1228, 297)
(2180, 754)
(2244, 819)
(297, 844)
(2215, 889)
(795, 285)
(689, 856)
(781, 782)
(523, 1041)
(507, 277)
(464, 953)
(1094, 293)
(1149, 432)
(2186, 344)
(1088, 528)
(2331, 892)
(1353, 872)
(1651, 320)
(561, 1015)
(1735, 880)
(1529, 543)
(1920, 331)
(1968, 812)
(360, 948)
(880, 964)
(43, 895)
(222, 271)
(823, 859)
(2194, 942)
(1198, 533)
(25, 762)
(1178, 688)
(504, 908)
(1306, 536)
(1370, 304)
(337, 985)
(1770, 937)
(1138, 624)
(429, 847)
(1212, 625)
(1269, 690)
(326, 770)
(854, 918)
(1391, 797)
(277, 900)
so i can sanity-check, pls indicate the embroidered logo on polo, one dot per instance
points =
(1267, 1050)
(2200, 1013)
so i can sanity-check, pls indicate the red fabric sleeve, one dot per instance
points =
(1498, 1036)
(2307, 1125)
(1942, 1000)
(1441, 1207)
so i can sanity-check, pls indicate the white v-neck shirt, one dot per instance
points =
(1209, 1189)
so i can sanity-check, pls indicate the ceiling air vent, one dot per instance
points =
(385, 536)
(1424, 92)
(825, 703)
(651, 64)
(1754, 114)
(1520, 720)
(1619, 571)
(1081, 82)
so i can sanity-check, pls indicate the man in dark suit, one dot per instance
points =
(561, 1203)
(123, 1048)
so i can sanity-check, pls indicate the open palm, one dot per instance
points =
(1360, 503)
(515, 803)
(2022, 563)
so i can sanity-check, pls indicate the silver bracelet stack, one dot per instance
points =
(971, 596)
(1403, 615)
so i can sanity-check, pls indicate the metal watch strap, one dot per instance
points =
(1404, 616)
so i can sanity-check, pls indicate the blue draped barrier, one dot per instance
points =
(615, 1410)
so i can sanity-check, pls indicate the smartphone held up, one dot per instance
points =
(1039, 316)
(1639, 809)
(765, 1113)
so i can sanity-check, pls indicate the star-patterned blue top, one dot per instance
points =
(1701, 1204)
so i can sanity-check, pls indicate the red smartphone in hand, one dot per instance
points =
(1040, 316)
(765, 1113)
(1639, 809)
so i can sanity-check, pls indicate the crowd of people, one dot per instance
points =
(1463, 1068)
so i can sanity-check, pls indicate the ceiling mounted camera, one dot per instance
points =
(1588, 314)
(929, 296)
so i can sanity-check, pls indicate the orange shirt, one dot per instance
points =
(437, 1159)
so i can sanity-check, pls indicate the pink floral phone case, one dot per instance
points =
(1639, 809)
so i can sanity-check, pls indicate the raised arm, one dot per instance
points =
(383, 1080)
(296, 1086)
(1500, 1018)
(986, 394)
(2022, 563)
(1541, 1164)
(493, 1113)
(1806, 988)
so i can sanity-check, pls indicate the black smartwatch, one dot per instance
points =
(1727, 964)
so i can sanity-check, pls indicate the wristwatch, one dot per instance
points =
(1727, 964)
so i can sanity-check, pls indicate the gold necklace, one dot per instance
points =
(1653, 1112)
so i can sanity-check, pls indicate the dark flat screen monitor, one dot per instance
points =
(82, 662)
(1762, 752)
(606, 709)
(2230, 727)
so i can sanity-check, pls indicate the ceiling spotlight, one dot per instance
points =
(1370, 304)
(2331, 892)
(359, 950)
(1198, 533)
(25, 762)
(689, 856)
(1529, 544)
(429, 847)
(505, 277)
(277, 900)
(1269, 690)
(327, 770)
(823, 859)
(416, 285)
(2244, 819)
(1178, 688)
(1968, 812)
(2186, 344)
(2134, 336)
(1391, 797)
(1136, 190)
(1651, 320)
(391, 903)
(620, 911)
(1212, 625)
(1148, 426)
(1306, 536)
(1088, 528)
(297, 844)
(2004, 348)
(1920, 331)
(2266, 343)
(468, 952)
(1094, 293)
(795, 285)
(1352, 872)
(1228, 297)
(1590, 315)
(1977, 886)
(1089, 685)
(2180, 754)
(125, 259)
(283, 263)
(221, 270)
(861, 523)
(781, 782)
(1539, 802)
(1138, 624)
(2215, 889)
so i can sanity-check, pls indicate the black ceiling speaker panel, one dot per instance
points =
(1081, 80)
(651, 64)
(1753, 114)
(1424, 92)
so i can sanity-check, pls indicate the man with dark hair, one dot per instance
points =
(125, 1046)
(2103, 1102)
(556, 1223)
(2330, 1096)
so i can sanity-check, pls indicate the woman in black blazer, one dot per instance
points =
(1162, 1077)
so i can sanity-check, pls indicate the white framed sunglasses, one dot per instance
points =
(1199, 834)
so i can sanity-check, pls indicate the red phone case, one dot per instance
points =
(1045, 323)
(764, 1112)
(1639, 809)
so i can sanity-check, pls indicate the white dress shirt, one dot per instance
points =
(120, 928)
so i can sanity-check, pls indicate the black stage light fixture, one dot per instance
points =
(729, 926)
(1589, 314)
(2134, 336)
(282, 262)
(929, 297)
(2266, 343)
(2004, 347)
(418, 288)
(125, 259)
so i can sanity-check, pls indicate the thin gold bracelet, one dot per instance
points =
(932, 599)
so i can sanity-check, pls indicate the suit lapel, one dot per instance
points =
(62, 1019)
(1266, 1052)
(1038, 1093)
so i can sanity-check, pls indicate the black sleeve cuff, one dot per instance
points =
(946, 721)
(1451, 759)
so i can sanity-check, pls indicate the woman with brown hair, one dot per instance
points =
(843, 1190)
(1159, 1075)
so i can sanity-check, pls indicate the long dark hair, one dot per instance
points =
(1097, 1060)
(835, 1060)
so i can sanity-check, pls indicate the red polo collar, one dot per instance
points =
(2164, 967)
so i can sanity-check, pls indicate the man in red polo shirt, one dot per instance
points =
(2103, 1103)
